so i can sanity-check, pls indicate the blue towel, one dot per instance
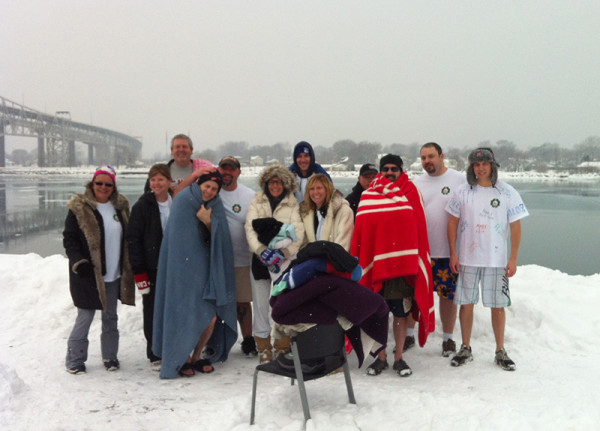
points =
(195, 282)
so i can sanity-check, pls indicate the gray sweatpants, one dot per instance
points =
(77, 345)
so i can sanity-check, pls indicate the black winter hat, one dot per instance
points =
(391, 158)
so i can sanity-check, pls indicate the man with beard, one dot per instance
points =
(436, 187)
(236, 199)
(390, 241)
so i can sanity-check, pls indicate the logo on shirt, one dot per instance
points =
(115, 217)
(445, 190)
(236, 208)
(495, 203)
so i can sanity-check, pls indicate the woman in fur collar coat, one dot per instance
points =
(274, 199)
(99, 268)
(326, 215)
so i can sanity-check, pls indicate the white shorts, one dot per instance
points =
(494, 286)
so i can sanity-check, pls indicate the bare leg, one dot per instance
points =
(466, 323)
(498, 324)
(400, 325)
(448, 311)
(204, 337)
(244, 317)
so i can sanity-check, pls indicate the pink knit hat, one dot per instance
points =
(107, 170)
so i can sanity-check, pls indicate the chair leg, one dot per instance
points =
(351, 398)
(300, 378)
(253, 396)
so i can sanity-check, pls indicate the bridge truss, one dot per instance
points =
(57, 134)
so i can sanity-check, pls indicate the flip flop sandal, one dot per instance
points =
(377, 367)
(187, 370)
(201, 364)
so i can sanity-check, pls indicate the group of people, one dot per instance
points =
(205, 252)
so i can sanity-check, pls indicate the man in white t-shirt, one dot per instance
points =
(236, 199)
(484, 211)
(436, 186)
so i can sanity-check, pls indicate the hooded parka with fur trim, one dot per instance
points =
(287, 211)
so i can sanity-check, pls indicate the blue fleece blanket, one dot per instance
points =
(195, 282)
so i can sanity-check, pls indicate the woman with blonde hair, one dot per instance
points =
(325, 213)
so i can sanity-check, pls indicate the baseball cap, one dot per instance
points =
(367, 168)
(231, 161)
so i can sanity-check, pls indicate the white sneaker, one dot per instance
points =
(155, 365)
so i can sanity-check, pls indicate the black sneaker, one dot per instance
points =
(448, 347)
(402, 368)
(77, 369)
(409, 343)
(249, 346)
(377, 367)
(463, 356)
(504, 361)
(111, 364)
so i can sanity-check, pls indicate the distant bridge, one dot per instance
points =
(57, 134)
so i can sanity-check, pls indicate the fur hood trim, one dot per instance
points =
(286, 177)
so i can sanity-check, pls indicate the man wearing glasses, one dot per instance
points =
(390, 240)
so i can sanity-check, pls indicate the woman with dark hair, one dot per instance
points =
(195, 283)
(326, 215)
(144, 235)
(99, 269)
(274, 200)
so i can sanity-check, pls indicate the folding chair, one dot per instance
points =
(316, 353)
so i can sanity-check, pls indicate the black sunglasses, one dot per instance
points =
(100, 184)
(393, 169)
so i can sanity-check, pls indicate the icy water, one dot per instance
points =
(562, 232)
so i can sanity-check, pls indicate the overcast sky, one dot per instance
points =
(455, 72)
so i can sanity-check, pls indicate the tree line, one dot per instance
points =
(539, 158)
(548, 156)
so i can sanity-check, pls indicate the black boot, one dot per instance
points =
(249, 346)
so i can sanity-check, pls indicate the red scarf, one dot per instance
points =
(390, 240)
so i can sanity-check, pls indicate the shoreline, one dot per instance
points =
(254, 171)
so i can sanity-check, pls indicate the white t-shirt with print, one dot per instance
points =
(485, 214)
(113, 234)
(436, 192)
(236, 205)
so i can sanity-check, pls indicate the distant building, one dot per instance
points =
(256, 161)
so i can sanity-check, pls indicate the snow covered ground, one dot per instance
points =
(552, 334)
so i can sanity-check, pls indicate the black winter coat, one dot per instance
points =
(354, 197)
(144, 236)
(83, 239)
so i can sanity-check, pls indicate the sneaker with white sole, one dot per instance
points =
(111, 364)
(77, 369)
(504, 361)
(155, 365)
(463, 356)
(402, 368)
(448, 347)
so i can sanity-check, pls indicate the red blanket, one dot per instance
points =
(390, 240)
